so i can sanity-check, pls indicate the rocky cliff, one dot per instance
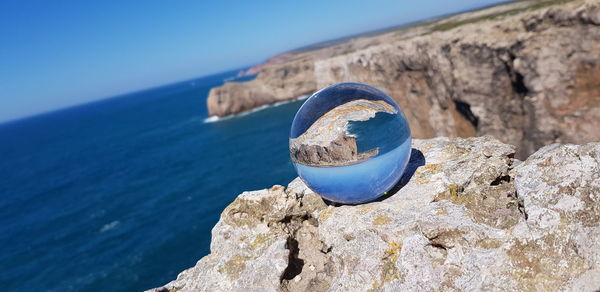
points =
(465, 216)
(527, 72)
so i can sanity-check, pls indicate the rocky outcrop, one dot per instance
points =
(341, 151)
(465, 216)
(273, 84)
(526, 72)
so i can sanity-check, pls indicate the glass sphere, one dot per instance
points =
(350, 143)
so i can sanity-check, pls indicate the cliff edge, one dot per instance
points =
(527, 72)
(467, 215)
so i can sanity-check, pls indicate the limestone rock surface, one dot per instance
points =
(467, 216)
(527, 72)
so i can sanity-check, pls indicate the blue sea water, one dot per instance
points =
(122, 194)
(385, 138)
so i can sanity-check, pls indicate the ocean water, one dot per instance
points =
(122, 194)
(386, 138)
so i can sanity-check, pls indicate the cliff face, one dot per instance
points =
(527, 72)
(274, 83)
(466, 216)
(341, 151)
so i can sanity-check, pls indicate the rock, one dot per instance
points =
(466, 216)
(560, 191)
(339, 152)
(527, 72)
(271, 85)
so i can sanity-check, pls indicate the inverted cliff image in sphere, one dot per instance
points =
(350, 143)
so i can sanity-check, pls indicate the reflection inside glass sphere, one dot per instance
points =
(350, 143)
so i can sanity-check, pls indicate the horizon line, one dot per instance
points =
(111, 97)
(306, 48)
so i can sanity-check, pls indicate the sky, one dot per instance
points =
(59, 53)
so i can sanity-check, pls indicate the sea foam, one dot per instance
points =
(213, 119)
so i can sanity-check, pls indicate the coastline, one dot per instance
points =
(488, 72)
(470, 214)
(214, 119)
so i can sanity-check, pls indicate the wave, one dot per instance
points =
(213, 119)
(109, 226)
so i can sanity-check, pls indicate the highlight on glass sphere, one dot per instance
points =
(350, 143)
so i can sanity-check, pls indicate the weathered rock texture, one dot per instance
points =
(341, 151)
(527, 72)
(466, 216)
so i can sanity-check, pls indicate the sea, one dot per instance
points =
(122, 194)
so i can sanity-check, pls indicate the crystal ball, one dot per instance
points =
(350, 143)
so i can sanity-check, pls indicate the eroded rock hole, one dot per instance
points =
(438, 245)
(500, 179)
(295, 264)
(518, 84)
(465, 110)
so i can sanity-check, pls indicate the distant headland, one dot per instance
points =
(527, 72)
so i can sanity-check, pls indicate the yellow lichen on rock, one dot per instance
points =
(425, 172)
(381, 220)
(325, 214)
(393, 250)
(259, 240)
(234, 267)
(389, 271)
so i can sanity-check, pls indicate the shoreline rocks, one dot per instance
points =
(467, 215)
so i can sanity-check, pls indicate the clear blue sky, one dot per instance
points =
(58, 53)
